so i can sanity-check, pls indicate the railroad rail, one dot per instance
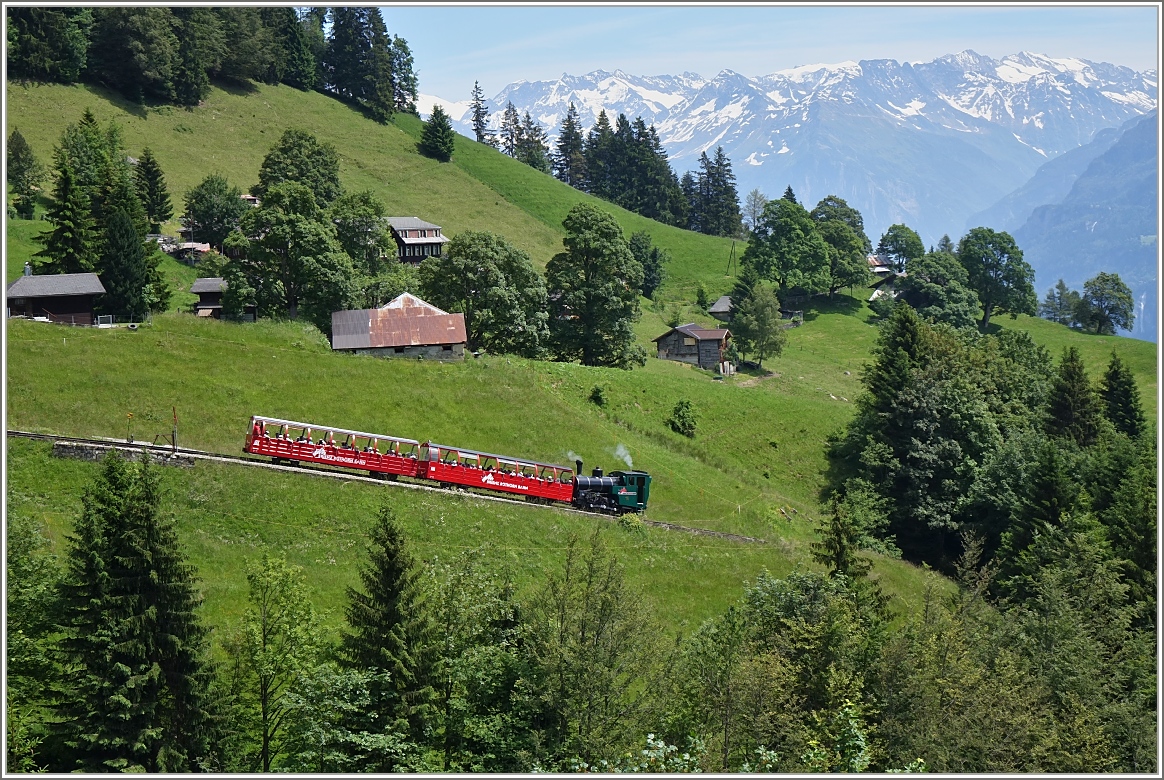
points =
(239, 460)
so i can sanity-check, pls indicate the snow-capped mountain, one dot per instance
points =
(927, 144)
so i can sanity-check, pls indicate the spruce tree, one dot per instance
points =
(789, 195)
(151, 189)
(510, 130)
(481, 117)
(69, 247)
(597, 151)
(380, 92)
(138, 697)
(389, 630)
(437, 138)
(25, 173)
(569, 162)
(404, 83)
(532, 148)
(124, 271)
(1073, 410)
(1121, 398)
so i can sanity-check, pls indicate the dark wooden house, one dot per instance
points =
(209, 290)
(692, 344)
(406, 326)
(416, 239)
(61, 298)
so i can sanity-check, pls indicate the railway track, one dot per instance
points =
(165, 451)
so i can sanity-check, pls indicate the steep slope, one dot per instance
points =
(1107, 222)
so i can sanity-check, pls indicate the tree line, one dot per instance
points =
(171, 55)
(623, 163)
(441, 665)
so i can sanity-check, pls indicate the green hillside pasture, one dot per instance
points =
(85, 382)
(232, 131)
(227, 515)
(695, 257)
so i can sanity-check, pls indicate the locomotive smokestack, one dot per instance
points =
(578, 470)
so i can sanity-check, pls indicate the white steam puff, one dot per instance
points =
(573, 455)
(623, 454)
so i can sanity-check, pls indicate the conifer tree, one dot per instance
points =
(838, 542)
(124, 271)
(404, 83)
(653, 260)
(380, 87)
(480, 116)
(138, 699)
(532, 148)
(437, 138)
(25, 173)
(70, 246)
(389, 630)
(510, 130)
(789, 195)
(151, 189)
(1073, 409)
(597, 151)
(1121, 398)
(569, 162)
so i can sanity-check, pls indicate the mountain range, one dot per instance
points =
(928, 144)
(943, 146)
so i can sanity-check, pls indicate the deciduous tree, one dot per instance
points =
(901, 244)
(1003, 280)
(496, 287)
(1106, 304)
(594, 292)
(787, 248)
(213, 210)
(757, 326)
(298, 156)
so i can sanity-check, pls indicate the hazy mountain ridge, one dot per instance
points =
(924, 143)
(1106, 222)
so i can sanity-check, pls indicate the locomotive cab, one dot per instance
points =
(634, 488)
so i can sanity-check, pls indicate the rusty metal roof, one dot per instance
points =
(405, 322)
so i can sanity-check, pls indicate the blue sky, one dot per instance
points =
(497, 44)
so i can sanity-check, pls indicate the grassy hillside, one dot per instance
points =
(480, 189)
(755, 466)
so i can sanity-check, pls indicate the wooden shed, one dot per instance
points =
(62, 298)
(692, 344)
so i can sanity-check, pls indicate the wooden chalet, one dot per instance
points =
(692, 344)
(62, 298)
(404, 327)
(416, 239)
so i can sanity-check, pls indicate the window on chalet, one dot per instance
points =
(688, 342)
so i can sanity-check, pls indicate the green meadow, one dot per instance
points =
(755, 466)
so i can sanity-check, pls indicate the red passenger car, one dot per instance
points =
(287, 440)
(485, 471)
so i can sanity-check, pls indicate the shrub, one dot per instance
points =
(598, 395)
(682, 419)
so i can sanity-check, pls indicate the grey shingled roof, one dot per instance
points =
(208, 284)
(411, 223)
(53, 285)
(696, 332)
(722, 305)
